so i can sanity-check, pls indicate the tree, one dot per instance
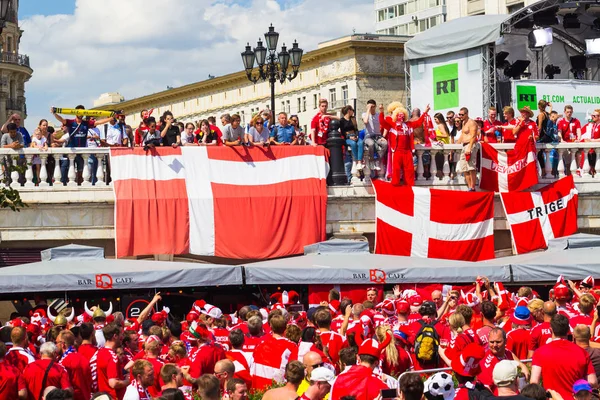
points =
(9, 197)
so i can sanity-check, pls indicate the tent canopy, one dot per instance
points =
(365, 268)
(72, 274)
(337, 246)
(72, 251)
(455, 35)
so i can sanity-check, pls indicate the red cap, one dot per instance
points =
(373, 348)
(561, 290)
(402, 307)
(467, 362)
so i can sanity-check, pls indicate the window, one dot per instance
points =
(283, 106)
(432, 22)
(332, 97)
(422, 25)
(304, 129)
(243, 115)
(391, 11)
(288, 108)
(299, 104)
(303, 103)
(381, 15)
(412, 28)
(434, 3)
(423, 5)
(411, 7)
(401, 9)
(402, 30)
(315, 101)
(345, 94)
(515, 7)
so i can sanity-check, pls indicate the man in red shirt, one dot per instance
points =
(19, 355)
(508, 126)
(271, 356)
(77, 366)
(488, 311)
(237, 356)
(12, 384)
(255, 335)
(496, 353)
(359, 380)
(107, 369)
(519, 338)
(526, 129)
(34, 373)
(586, 311)
(560, 363)
(88, 334)
(569, 128)
(203, 358)
(491, 126)
(319, 125)
(333, 341)
(591, 133)
(152, 349)
(541, 333)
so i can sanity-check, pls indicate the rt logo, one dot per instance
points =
(446, 87)
(528, 98)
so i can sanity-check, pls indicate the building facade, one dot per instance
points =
(349, 70)
(409, 17)
(14, 67)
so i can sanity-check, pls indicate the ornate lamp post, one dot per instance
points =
(272, 65)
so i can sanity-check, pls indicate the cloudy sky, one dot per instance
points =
(80, 49)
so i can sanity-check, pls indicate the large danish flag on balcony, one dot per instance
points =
(434, 223)
(536, 217)
(244, 203)
(508, 171)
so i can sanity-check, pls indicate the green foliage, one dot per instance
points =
(9, 197)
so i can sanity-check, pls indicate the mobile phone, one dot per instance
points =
(389, 394)
(296, 307)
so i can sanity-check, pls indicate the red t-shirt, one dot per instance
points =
(483, 333)
(528, 129)
(562, 363)
(107, 366)
(487, 367)
(80, 375)
(491, 137)
(19, 358)
(204, 358)
(540, 335)
(594, 130)
(250, 342)
(507, 133)
(87, 350)
(358, 381)
(11, 381)
(581, 319)
(222, 337)
(334, 342)
(154, 390)
(34, 374)
(404, 362)
(518, 341)
(321, 125)
(243, 326)
(568, 129)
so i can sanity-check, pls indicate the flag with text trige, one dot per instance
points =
(245, 203)
(536, 217)
(434, 223)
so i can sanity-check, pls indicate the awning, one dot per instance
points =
(360, 268)
(455, 35)
(72, 274)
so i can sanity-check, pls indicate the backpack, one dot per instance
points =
(427, 343)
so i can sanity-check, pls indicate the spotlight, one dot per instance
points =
(517, 69)
(578, 66)
(592, 47)
(551, 70)
(501, 61)
(539, 38)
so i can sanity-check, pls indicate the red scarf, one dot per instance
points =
(142, 392)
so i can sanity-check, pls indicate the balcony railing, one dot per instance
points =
(14, 58)
(439, 175)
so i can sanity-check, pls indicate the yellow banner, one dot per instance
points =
(84, 113)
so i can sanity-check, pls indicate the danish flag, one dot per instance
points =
(233, 202)
(536, 217)
(508, 171)
(434, 223)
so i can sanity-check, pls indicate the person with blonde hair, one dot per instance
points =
(398, 131)
(395, 360)
(258, 133)
(458, 338)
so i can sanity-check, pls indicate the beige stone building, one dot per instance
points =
(349, 70)
(14, 67)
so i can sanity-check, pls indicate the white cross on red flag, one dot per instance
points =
(508, 171)
(434, 223)
(536, 217)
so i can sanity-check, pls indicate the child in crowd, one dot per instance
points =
(39, 141)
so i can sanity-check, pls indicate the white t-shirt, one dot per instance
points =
(91, 142)
(114, 135)
(41, 142)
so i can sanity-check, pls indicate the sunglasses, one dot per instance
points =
(594, 115)
(461, 115)
(318, 365)
(259, 123)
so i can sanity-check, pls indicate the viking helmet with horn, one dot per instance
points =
(98, 312)
(60, 320)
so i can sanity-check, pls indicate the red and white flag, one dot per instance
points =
(434, 223)
(536, 217)
(508, 171)
(244, 203)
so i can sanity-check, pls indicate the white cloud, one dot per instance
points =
(139, 47)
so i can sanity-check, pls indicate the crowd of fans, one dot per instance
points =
(494, 343)
(384, 136)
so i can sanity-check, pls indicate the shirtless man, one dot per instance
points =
(294, 375)
(468, 156)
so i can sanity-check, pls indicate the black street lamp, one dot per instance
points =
(5, 6)
(271, 65)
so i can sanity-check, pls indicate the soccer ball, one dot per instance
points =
(440, 386)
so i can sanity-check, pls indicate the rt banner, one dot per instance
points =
(584, 96)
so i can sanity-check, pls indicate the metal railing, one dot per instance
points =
(435, 370)
(438, 156)
(15, 58)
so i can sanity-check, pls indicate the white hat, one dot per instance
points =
(322, 374)
(505, 373)
(212, 311)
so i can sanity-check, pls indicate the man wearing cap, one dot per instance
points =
(582, 390)
(321, 380)
(496, 353)
(541, 333)
(519, 338)
(505, 378)
(311, 361)
(574, 362)
(359, 380)
(202, 358)
(466, 366)
(526, 129)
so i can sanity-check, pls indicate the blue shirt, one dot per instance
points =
(285, 134)
(26, 136)
(78, 136)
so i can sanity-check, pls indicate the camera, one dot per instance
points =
(148, 142)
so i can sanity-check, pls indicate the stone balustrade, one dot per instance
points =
(439, 174)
